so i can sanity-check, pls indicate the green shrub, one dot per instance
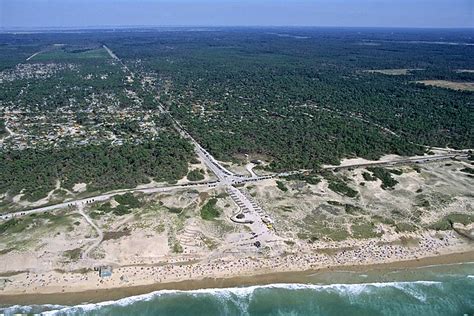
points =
(442, 224)
(368, 177)
(404, 227)
(195, 175)
(397, 172)
(352, 209)
(364, 230)
(445, 223)
(194, 161)
(106, 207)
(73, 254)
(341, 187)
(121, 210)
(209, 211)
(177, 248)
(467, 170)
(128, 199)
(175, 210)
(384, 175)
(281, 186)
(310, 178)
(13, 225)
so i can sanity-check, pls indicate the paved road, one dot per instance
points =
(225, 176)
(32, 56)
(254, 216)
(102, 198)
(112, 54)
(383, 163)
(226, 179)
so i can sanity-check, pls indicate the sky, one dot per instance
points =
(346, 13)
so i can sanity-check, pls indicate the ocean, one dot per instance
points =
(434, 290)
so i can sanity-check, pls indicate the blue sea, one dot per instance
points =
(436, 290)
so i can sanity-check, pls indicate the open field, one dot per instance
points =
(464, 86)
(61, 54)
(392, 72)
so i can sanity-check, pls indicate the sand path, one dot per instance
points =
(100, 237)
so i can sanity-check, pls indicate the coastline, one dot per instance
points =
(108, 294)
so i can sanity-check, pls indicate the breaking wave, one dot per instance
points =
(241, 297)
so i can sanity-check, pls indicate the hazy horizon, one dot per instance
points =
(30, 14)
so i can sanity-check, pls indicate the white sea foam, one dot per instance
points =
(11, 310)
(247, 292)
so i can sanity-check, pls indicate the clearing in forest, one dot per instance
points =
(466, 86)
(392, 72)
(67, 54)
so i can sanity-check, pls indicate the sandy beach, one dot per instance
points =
(75, 288)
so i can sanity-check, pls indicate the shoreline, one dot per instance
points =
(111, 294)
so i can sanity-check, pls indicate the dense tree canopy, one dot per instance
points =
(302, 97)
(101, 166)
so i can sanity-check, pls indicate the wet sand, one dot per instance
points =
(309, 276)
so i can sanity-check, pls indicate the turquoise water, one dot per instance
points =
(438, 290)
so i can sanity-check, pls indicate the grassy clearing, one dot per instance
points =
(383, 220)
(320, 227)
(445, 223)
(364, 231)
(326, 233)
(336, 234)
(14, 225)
(404, 227)
(49, 220)
(73, 254)
(62, 54)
